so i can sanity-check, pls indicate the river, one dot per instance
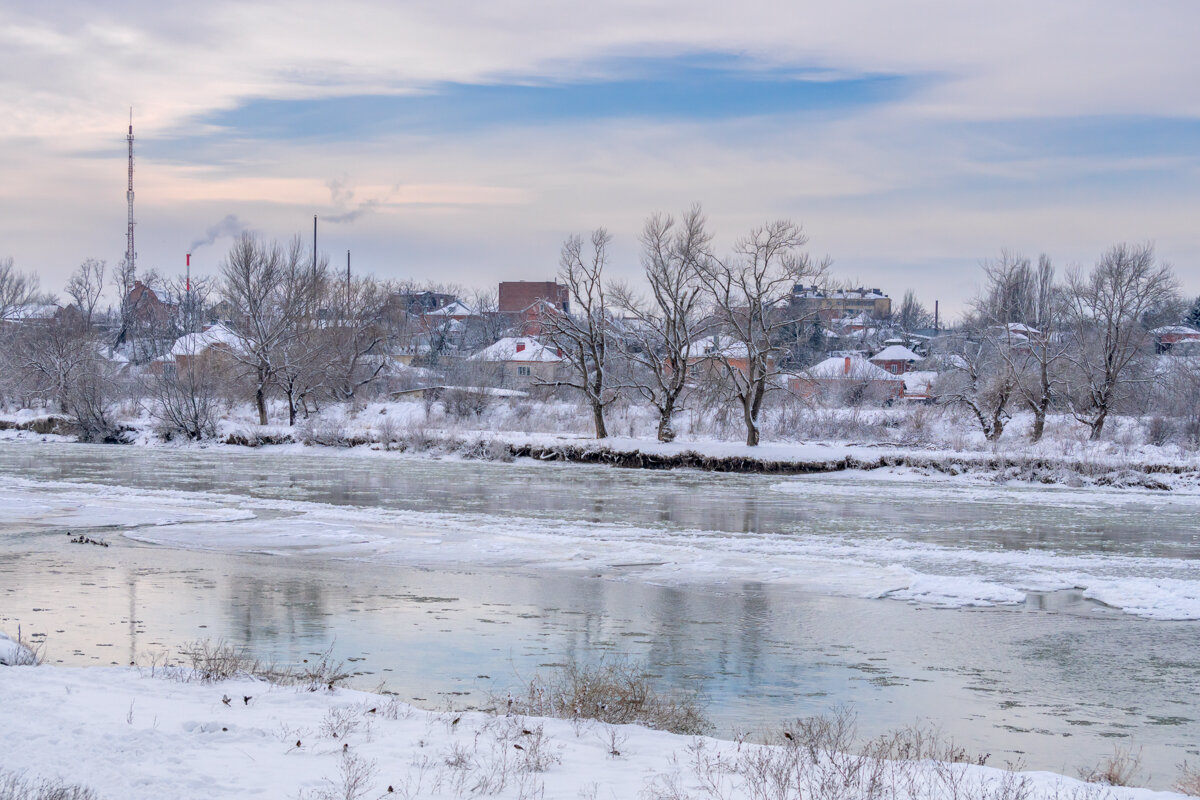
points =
(1041, 625)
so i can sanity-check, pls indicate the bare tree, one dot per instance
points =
(86, 285)
(273, 290)
(486, 325)
(1105, 310)
(659, 332)
(354, 340)
(979, 377)
(583, 334)
(912, 314)
(1023, 306)
(60, 362)
(184, 397)
(16, 289)
(751, 293)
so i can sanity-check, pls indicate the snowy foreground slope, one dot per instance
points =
(128, 733)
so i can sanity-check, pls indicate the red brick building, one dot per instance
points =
(517, 296)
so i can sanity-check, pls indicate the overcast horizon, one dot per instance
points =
(463, 144)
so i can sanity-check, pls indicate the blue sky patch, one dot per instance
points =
(672, 90)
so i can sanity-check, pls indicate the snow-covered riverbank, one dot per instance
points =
(410, 430)
(135, 733)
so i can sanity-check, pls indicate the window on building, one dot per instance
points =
(523, 372)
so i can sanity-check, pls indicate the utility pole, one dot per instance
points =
(314, 247)
(347, 283)
(187, 302)
(130, 253)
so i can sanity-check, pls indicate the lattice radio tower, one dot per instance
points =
(130, 253)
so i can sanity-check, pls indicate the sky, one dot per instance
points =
(463, 142)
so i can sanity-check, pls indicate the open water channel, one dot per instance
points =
(1041, 625)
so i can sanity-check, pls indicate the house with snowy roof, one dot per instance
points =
(708, 356)
(212, 345)
(896, 359)
(1166, 337)
(849, 379)
(521, 361)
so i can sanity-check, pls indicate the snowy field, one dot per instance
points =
(130, 733)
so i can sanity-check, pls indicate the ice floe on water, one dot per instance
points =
(847, 561)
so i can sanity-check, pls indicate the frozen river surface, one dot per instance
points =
(1042, 624)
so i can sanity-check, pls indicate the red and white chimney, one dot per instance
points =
(847, 367)
(520, 346)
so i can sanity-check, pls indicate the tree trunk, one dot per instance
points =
(1098, 425)
(1039, 424)
(291, 410)
(751, 422)
(666, 432)
(997, 428)
(260, 400)
(598, 418)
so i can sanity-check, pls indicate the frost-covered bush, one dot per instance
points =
(19, 786)
(616, 692)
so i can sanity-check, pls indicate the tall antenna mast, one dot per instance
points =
(130, 253)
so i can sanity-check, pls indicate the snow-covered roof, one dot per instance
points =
(716, 347)
(859, 369)
(507, 350)
(896, 352)
(33, 311)
(919, 381)
(455, 309)
(852, 319)
(860, 293)
(1017, 327)
(1175, 330)
(193, 343)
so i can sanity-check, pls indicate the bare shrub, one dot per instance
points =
(1189, 780)
(1119, 769)
(17, 786)
(466, 403)
(341, 721)
(616, 692)
(211, 662)
(355, 780)
(24, 653)
(1160, 430)
(386, 432)
(821, 758)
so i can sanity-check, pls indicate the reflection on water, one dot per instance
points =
(1051, 683)
(1052, 689)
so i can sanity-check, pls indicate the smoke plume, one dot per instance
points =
(230, 226)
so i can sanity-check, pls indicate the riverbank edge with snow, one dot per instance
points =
(1013, 463)
(137, 732)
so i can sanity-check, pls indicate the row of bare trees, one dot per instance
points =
(701, 320)
(1082, 345)
(720, 313)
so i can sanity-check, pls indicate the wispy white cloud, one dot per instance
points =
(906, 189)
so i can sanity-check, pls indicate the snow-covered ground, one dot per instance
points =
(134, 733)
(809, 435)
